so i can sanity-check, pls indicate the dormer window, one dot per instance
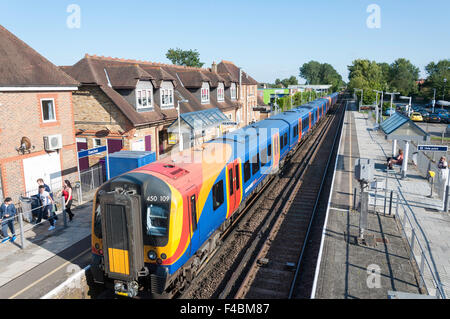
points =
(144, 99)
(205, 93)
(166, 93)
(220, 93)
(233, 91)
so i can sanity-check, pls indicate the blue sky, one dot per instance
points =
(269, 39)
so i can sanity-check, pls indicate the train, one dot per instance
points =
(154, 227)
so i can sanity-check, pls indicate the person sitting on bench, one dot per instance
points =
(396, 160)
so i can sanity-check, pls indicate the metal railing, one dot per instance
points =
(19, 217)
(394, 203)
(90, 180)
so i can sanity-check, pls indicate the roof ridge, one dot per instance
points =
(150, 63)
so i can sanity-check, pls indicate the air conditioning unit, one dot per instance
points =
(53, 142)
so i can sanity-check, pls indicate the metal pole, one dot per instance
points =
(22, 233)
(354, 198)
(179, 128)
(434, 99)
(446, 198)
(390, 203)
(405, 160)
(64, 211)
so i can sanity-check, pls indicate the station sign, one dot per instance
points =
(229, 123)
(92, 151)
(432, 148)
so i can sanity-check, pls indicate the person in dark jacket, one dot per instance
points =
(7, 213)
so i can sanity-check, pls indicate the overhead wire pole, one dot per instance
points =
(376, 105)
(362, 97)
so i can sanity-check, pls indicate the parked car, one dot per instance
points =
(433, 118)
(445, 117)
(416, 117)
(423, 113)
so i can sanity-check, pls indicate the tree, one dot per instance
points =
(311, 72)
(366, 75)
(289, 81)
(403, 77)
(437, 73)
(184, 57)
(316, 73)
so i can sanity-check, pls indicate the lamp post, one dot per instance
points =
(434, 99)
(443, 92)
(376, 104)
(409, 104)
(392, 100)
(179, 123)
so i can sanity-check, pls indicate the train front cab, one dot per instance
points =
(134, 212)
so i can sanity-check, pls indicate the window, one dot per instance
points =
(48, 110)
(264, 158)
(230, 181)
(237, 176)
(285, 139)
(157, 220)
(166, 98)
(144, 98)
(97, 142)
(255, 164)
(205, 95)
(247, 173)
(233, 91)
(281, 142)
(218, 194)
(305, 123)
(220, 93)
(269, 150)
(193, 213)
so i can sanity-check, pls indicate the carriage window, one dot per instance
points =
(269, 150)
(218, 194)
(247, 173)
(230, 181)
(285, 139)
(255, 164)
(157, 220)
(237, 176)
(281, 142)
(264, 159)
(194, 213)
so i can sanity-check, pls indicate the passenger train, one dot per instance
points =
(153, 227)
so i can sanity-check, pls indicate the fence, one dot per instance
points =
(90, 180)
(392, 202)
(25, 211)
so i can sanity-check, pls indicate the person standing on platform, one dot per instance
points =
(7, 213)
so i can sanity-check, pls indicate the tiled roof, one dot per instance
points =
(21, 66)
(125, 73)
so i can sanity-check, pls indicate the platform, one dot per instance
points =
(346, 267)
(49, 257)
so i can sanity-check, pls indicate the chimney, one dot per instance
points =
(214, 67)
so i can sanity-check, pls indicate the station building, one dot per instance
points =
(37, 133)
(132, 105)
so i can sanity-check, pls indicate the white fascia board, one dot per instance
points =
(37, 88)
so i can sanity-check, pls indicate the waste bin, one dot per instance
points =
(30, 207)
(25, 203)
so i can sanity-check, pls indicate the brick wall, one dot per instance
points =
(21, 116)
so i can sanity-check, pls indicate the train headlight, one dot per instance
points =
(151, 255)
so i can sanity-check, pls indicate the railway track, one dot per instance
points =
(275, 270)
(243, 242)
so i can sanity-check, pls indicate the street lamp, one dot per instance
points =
(392, 100)
(179, 123)
(443, 92)
(409, 104)
(376, 104)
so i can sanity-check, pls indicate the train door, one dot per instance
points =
(191, 199)
(276, 151)
(309, 121)
(300, 129)
(233, 198)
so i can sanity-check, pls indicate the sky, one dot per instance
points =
(268, 39)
